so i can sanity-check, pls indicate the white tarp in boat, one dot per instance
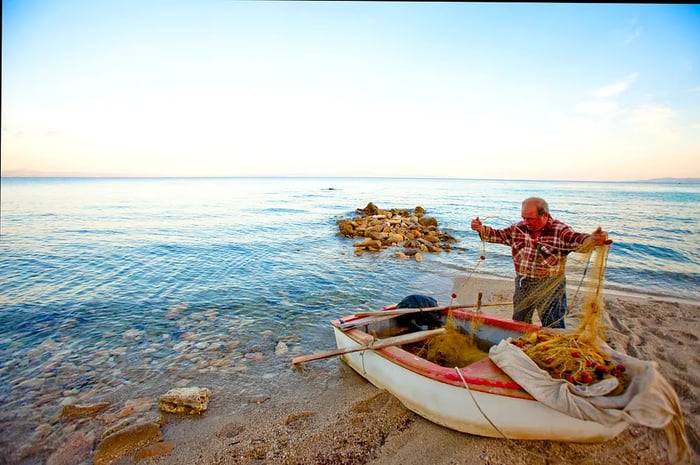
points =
(649, 400)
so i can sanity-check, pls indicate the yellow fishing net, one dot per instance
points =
(576, 356)
(454, 348)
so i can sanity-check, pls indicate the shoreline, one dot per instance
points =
(619, 290)
(342, 418)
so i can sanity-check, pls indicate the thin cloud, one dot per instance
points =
(656, 121)
(633, 32)
(599, 110)
(634, 35)
(616, 88)
(651, 115)
(695, 90)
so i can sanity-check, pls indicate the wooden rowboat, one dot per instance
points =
(478, 399)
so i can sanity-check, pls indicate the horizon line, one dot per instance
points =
(76, 175)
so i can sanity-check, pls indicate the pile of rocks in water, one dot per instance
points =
(382, 229)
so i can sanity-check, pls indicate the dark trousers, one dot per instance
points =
(546, 295)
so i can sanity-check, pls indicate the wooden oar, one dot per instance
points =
(375, 344)
(375, 317)
(406, 311)
(363, 321)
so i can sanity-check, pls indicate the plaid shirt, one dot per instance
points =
(541, 257)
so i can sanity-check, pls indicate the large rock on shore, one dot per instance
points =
(381, 229)
(188, 400)
(85, 410)
(126, 441)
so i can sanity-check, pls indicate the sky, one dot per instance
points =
(401, 89)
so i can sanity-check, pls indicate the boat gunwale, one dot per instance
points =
(469, 374)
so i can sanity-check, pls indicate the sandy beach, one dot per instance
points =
(342, 419)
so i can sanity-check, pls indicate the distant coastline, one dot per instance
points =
(74, 174)
(674, 180)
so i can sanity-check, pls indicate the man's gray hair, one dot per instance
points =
(542, 206)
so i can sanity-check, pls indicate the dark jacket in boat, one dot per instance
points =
(420, 321)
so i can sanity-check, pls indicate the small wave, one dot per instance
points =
(278, 210)
(649, 252)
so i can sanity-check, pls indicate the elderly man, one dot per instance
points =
(539, 246)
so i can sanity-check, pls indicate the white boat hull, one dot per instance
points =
(466, 409)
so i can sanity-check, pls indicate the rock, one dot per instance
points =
(427, 221)
(142, 404)
(131, 334)
(418, 257)
(125, 412)
(41, 432)
(296, 419)
(159, 449)
(126, 441)
(255, 356)
(222, 362)
(78, 410)
(369, 210)
(114, 428)
(188, 400)
(395, 238)
(346, 228)
(49, 345)
(281, 348)
(75, 449)
(180, 346)
(380, 229)
(175, 310)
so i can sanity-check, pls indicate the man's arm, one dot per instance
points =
(489, 234)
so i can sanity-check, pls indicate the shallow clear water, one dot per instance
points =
(129, 286)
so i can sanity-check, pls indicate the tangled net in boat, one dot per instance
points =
(577, 356)
(454, 348)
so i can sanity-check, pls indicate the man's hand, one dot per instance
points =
(599, 237)
(477, 226)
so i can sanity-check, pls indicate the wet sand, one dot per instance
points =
(342, 419)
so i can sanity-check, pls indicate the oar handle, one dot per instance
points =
(406, 311)
(401, 311)
(375, 344)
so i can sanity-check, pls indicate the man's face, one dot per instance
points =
(533, 221)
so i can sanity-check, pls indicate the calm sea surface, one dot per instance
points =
(125, 287)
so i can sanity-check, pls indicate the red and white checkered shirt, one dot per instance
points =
(541, 257)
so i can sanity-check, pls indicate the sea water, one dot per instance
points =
(118, 288)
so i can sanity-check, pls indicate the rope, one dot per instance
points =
(477, 404)
(546, 458)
